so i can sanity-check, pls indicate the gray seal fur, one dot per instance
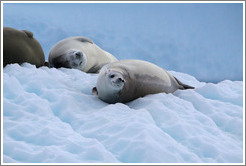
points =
(20, 46)
(79, 53)
(126, 80)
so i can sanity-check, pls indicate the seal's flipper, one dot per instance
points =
(183, 86)
(96, 68)
(94, 91)
(28, 33)
(84, 39)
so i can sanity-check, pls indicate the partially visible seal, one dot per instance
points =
(20, 46)
(126, 80)
(79, 53)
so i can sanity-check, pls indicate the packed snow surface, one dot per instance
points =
(50, 116)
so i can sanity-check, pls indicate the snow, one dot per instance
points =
(51, 116)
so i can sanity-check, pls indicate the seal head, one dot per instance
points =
(71, 59)
(110, 86)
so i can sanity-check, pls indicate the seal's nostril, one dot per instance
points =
(78, 55)
(120, 79)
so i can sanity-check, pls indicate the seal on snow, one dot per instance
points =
(126, 80)
(20, 46)
(79, 53)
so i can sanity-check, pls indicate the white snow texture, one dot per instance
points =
(50, 115)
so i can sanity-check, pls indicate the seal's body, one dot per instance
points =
(126, 80)
(79, 53)
(20, 46)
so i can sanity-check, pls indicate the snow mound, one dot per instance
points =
(50, 116)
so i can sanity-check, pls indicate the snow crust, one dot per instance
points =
(51, 116)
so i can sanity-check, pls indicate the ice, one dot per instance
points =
(51, 116)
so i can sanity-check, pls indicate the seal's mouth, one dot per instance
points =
(116, 84)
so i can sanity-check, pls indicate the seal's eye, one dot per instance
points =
(112, 76)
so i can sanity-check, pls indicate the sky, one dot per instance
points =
(201, 39)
